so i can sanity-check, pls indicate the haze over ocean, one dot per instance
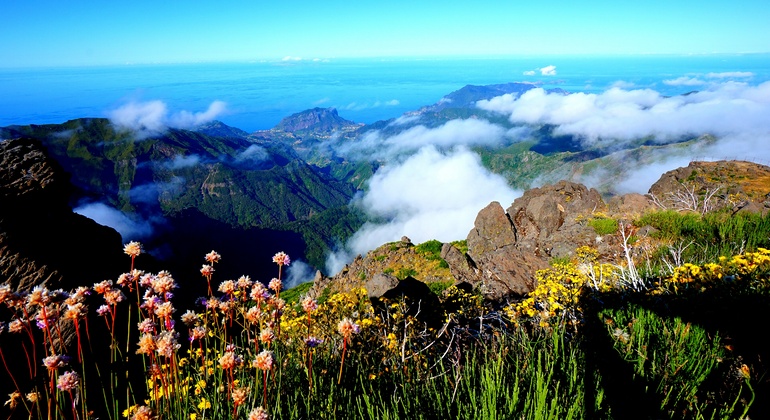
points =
(258, 94)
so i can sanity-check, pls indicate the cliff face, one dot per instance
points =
(42, 242)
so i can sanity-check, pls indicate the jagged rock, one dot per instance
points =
(494, 264)
(506, 248)
(380, 284)
(317, 119)
(460, 265)
(43, 243)
(547, 215)
(492, 230)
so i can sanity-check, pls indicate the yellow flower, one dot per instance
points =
(204, 404)
(193, 416)
(129, 411)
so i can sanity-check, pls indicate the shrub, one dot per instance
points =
(604, 226)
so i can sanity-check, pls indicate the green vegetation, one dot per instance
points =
(292, 296)
(432, 251)
(604, 225)
(709, 236)
(438, 287)
(575, 348)
(405, 272)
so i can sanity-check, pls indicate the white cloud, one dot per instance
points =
(529, 73)
(684, 81)
(152, 117)
(406, 119)
(141, 116)
(548, 70)
(431, 195)
(182, 161)
(468, 132)
(355, 106)
(187, 119)
(298, 272)
(253, 154)
(622, 84)
(129, 228)
(622, 115)
(731, 75)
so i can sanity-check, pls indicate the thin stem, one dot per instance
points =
(342, 363)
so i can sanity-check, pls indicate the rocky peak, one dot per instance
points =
(320, 120)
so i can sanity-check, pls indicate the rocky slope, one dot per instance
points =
(42, 242)
(507, 246)
(705, 186)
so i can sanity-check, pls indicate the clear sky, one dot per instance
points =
(64, 33)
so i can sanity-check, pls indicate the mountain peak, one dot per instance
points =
(316, 119)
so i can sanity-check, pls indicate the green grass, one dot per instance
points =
(712, 235)
(604, 226)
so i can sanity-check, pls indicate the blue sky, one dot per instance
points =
(59, 33)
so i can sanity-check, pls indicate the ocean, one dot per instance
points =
(259, 94)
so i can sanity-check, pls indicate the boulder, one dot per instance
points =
(380, 284)
(506, 248)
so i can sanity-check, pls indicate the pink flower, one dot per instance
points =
(244, 282)
(258, 413)
(347, 328)
(266, 336)
(68, 381)
(55, 361)
(240, 395)
(309, 304)
(227, 287)
(259, 293)
(147, 326)
(275, 285)
(133, 249)
(229, 360)
(263, 361)
(197, 333)
(281, 259)
(207, 270)
(213, 257)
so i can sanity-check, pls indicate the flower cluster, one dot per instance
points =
(735, 271)
(556, 296)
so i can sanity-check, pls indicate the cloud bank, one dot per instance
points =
(153, 117)
(468, 132)
(619, 115)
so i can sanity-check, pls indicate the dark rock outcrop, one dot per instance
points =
(42, 242)
(494, 263)
(506, 248)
